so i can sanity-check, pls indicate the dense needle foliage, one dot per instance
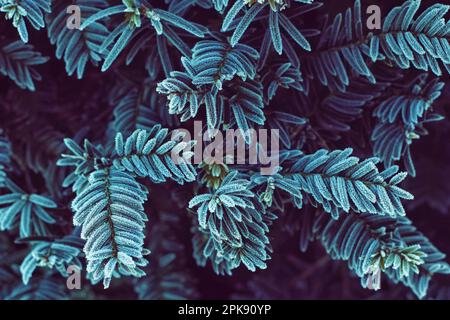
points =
(358, 206)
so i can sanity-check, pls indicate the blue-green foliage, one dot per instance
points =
(269, 186)
(434, 262)
(28, 211)
(412, 104)
(18, 61)
(284, 76)
(277, 21)
(109, 201)
(245, 106)
(132, 10)
(404, 40)
(110, 213)
(77, 47)
(58, 254)
(401, 119)
(234, 218)
(342, 106)
(283, 122)
(373, 243)
(201, 245)
(149, 154)
(241, 64)
(43, 289)
(85, 160)
(5, 154)
(39, 143)
(340, 109)
(219, 5)
(338, 181)
(22, 11)
(421, 41)
(341, 43)
(216, 68)
(214, 62)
